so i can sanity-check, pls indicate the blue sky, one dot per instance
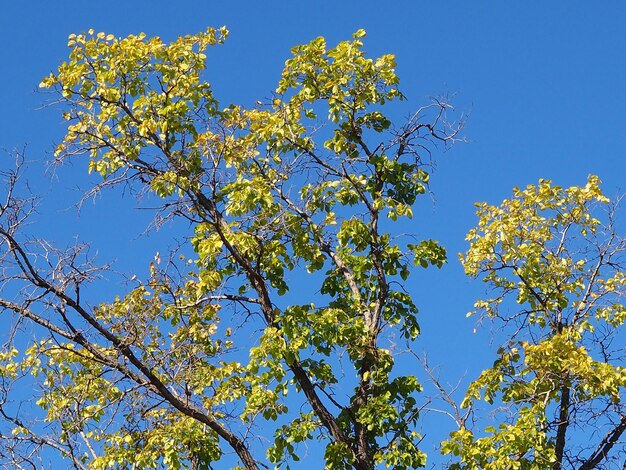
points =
(542, 83)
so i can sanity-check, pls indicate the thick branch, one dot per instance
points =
(603, 449)
(258, 283)
(236, 443)
(559, 447)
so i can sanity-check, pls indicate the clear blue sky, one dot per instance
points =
(544, 84)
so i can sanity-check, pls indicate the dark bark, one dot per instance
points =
(559, 447)
(258, 283)
(156, 384)
(603, 449)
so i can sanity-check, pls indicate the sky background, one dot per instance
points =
(543, 85)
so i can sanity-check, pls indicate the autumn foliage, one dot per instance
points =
(218, 357)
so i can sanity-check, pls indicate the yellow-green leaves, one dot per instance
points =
(520, 445)
(345, 79)
(290, 435)
(127, 94)
(174, 441)
(527, 245)
(428, 252)
(290, 206)
(552, 261)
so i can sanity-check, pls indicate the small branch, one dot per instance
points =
(603, 449)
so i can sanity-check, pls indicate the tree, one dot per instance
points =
(189, 364)
(554, 262)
